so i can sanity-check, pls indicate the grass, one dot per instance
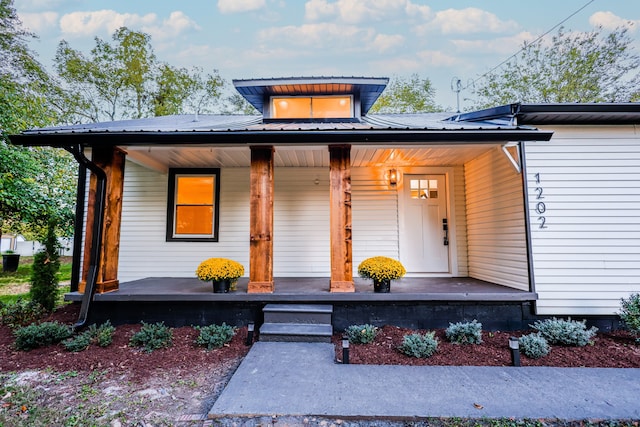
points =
(15, 285)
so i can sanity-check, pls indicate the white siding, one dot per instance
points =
(374, 215)
(460, 212)
(301, 223)
(143, 249)
(495, 221)
(588, 256)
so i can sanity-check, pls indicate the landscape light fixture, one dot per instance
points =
(250, 328)
(514, 346)
(345, 350)
(393, 177)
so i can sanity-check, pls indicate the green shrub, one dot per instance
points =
(417, 345)
(630, 314)
(214, 336)
(78, 343)
(101, 336)
(565, 332)
(40, 335)
(465, 332)
(361, 334)
(21, 313)
(44, 273)
(534, 346)
(152, 337)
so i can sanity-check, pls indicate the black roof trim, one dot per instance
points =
(318, 137)
(557, 114)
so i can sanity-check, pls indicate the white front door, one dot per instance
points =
(423, 247)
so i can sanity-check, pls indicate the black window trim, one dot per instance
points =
(171, 203)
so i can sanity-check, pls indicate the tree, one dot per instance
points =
(124, 80)
(574, 67)
(180, 91)
(407, 95)
(25, 91)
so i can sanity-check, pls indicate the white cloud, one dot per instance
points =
(500, 45)
(39, 22)
(610, 21)
(385, 42)
(92, 23)
(107, 21)
(235, 6)
(357, 11)
(176, 24)
(436, 58)
(466, 21)
(316, 35)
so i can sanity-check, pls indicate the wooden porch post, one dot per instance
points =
(111, 160)
(340, 202)
(261, 222)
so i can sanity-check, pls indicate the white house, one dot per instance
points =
(541, 201)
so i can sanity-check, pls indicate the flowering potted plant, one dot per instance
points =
(382, 270)
(222, 272)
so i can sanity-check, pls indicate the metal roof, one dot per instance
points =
(256, 91)
(237, 129)
(556, 114)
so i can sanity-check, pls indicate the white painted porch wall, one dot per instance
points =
(144, 252)
(495, 221)
(588, 257)
(301, 223)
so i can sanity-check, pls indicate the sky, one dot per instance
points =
(443, 40)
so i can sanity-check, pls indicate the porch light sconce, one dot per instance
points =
(514, 346)
(250, 328)
(393, 177)
(345, 350)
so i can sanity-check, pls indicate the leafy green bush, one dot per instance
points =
(465, 332)
(417, 345)
(361, 334)
(152, 337)
(534, 346)
(102, 336)
(40, 335)
(565, 332)
(214, 336)
(630, 314)
(44, 273)
(21, 313)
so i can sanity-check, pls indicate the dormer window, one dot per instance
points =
(312, 107)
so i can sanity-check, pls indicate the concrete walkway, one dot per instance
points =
(302, 379)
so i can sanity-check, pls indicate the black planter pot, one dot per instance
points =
(221, 286)
(382, 286)
(10, 262)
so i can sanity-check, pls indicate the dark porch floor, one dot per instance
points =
(313, 290)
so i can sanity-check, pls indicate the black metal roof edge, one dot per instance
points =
(558, 113)
(312, 80)
(502, 111)
(317, 137)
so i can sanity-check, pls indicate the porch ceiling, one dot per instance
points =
(163, 158)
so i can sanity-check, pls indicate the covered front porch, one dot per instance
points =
(412, 302)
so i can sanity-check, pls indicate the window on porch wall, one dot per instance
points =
(193, 204)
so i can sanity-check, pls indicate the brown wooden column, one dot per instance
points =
(340, 201)
(261, 226)
(111, 160)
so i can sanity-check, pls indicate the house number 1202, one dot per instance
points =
(541, 207)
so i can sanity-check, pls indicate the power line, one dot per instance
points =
(526, 46)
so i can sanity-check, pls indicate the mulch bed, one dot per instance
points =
(183, 356)
(609, 350)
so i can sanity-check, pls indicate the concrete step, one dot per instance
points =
(298, 313)
(296, 332)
